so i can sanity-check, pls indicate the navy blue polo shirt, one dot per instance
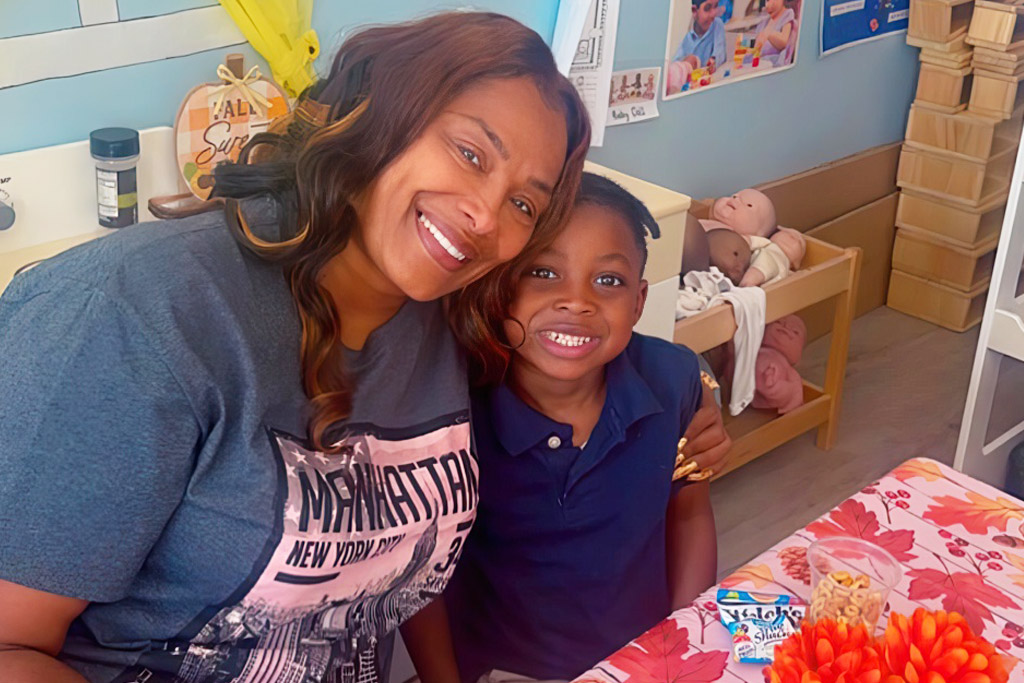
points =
(567, 560)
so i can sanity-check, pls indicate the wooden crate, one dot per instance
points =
(958, 44)
(937, 259)
(995, 24)
(955, 176)
(995, 95)
(955, 221)
(939, 20)
(942, 88)
(947, 60)
(1009, 63)
(966, 133)
(936, 303)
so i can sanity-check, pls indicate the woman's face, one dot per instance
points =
(464, 196)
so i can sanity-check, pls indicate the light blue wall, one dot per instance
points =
(714, 142)
(141, 96)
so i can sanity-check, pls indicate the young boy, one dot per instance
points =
(704, 44)
(582, 540)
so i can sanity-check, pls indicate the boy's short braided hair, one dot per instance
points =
(596, 190)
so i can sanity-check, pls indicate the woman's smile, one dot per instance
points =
(442, 242)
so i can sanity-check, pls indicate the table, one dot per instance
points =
(960, 541)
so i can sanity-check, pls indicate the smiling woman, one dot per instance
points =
(281, 375)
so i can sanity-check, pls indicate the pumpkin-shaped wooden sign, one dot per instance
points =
(217, 119)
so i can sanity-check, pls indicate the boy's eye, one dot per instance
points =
(470, 156)
(609, 280)
(543, 273)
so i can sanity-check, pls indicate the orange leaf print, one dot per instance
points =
(976, 515)
(657, 657)
(918, 468)
(758, 574)
(852, 519)
(1017, 562)
(963, 592)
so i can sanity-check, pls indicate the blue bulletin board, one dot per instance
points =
(845, 23)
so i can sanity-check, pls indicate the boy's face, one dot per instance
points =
(705, 12)
(579, 300)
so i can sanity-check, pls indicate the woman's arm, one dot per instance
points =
(429, 641)
(692, 547)
(33, 625)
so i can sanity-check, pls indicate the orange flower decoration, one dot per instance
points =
(938, 647)
(826, 652)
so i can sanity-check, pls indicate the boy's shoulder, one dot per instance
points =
(661, 363)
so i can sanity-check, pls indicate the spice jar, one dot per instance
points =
(116, 151)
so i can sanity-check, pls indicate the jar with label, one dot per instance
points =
(116, 151)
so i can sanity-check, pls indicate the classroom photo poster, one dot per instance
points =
(718, 42)
(845, 23)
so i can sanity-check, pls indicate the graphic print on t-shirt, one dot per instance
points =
(369, 536)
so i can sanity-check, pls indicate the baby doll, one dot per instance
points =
(729, 252)
(777, 383)
(751, 214)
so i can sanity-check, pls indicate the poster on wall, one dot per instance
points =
(845, 23)
(634, 96)
(591, 69)
(718, 42)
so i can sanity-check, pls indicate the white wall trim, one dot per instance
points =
(75, 51)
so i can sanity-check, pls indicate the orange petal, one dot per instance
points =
(975, 677)
(977, 662)
(932, 677)
(823, 652)
(917, 660)
(910, 674)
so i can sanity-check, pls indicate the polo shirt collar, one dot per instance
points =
(519, 427)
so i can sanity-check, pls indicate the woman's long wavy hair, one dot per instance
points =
(385, 86)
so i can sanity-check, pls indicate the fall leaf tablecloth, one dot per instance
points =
(960, 541)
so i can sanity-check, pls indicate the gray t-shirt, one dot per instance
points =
(153, 462)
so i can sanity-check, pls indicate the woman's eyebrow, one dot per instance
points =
(491, 135)
(503, 151)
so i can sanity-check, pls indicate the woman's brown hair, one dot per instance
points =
(386, 84)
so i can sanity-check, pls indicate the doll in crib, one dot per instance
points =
(775, 250)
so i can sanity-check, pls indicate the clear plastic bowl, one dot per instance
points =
(850, 580)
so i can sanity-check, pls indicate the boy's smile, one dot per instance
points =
(578, 301)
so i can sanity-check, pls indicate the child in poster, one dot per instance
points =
(704, 44)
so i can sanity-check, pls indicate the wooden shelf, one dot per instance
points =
(828, 272)
(755, 432)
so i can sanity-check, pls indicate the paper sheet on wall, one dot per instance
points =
(591, 71)
(634, 96)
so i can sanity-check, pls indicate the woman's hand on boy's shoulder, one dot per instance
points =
(706, 439)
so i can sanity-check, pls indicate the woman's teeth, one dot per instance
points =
(566, 339)
(441, 239)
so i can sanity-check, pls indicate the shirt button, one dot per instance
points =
(554, 442)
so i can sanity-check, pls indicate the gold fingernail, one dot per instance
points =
(702, 475)
(685, 470)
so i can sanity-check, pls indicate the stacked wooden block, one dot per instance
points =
(956, 163)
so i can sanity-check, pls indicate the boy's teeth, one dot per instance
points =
(441, 239)
(566, 339)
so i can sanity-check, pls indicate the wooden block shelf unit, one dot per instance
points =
(995, 94)
(827, 272)
(937, 303)
(938, 259)
(965, 133)
(996, 24)
(939, 21)
(953, 176)
(954, 220)
(942, 88)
